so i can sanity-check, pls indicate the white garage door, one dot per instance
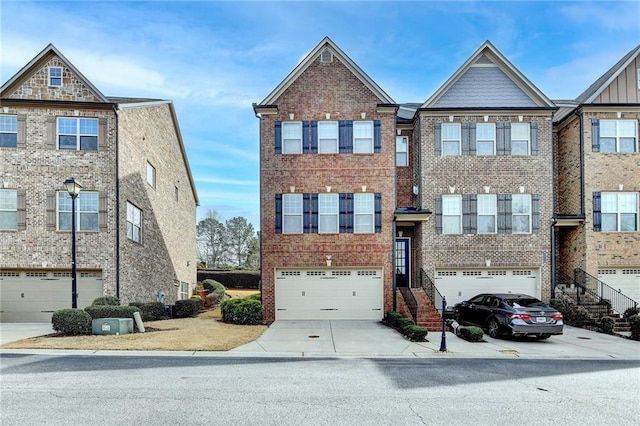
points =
(33, 296)
(329, 294)
(457, 285)
(626, 280)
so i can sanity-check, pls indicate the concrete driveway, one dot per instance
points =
(12, 331)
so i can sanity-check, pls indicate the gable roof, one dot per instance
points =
(488, 56)
(605, 80)
(327, 43)
(37, 62)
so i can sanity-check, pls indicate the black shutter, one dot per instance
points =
(345, 136)
(437, 132)
(500, 150)
(278, 213)
(595, 135)
(306, 144)
(507, 138)
(278, 136)
(314, 213)
(314, 137)
(597, 212)
(346, 212)
(504, 213)
(439, 214)
(465, 138)
(378, 212)
(535, 213)
(22, 209)
(306, 213)
(472, 138)
(534, 139)
(469, 213)
(377, 137)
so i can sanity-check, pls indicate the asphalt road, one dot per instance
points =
(125, 390)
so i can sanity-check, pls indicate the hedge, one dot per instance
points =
(241, 311)
(151, 311)
(406, 326)
(471, 333)
(634, 322)
(71, 321)
(232, 279)
(106, 300)
(188, 308)
(110, 311)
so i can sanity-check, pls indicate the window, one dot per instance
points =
(485, 139)
(520, 138)
(78, 134)
(55, 76)
(363, 137)
(86, 211)
(8, 209)
(363, 210)
(292, 213)
(619, 211)
(134, 223)
(184, 290)
(327, 137)
(151, 175)
(8, 131)
(402, 151)
(292, 137)
(328, 213)
(451, 214)
(521, 213)
(450, 139)
(618, 135)
(486, 213)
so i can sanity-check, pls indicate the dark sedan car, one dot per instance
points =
(509, 314)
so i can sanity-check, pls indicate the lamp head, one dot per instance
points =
(73, 187)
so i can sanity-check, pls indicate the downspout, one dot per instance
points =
(259, 117)
(553, 257)
(393, 268)
(115, 112)
(582, 206)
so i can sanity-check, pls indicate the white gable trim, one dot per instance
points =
(615, 75)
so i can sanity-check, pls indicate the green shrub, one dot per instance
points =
(393, 317)
(471, 333)
(558, 304)
(580, 316)
(630, 312)
(241, 311)
(199, 301)
(415, 332)
(401, 323)
(634, 322)
(256, 296)
(607, 324)
(71, 321)
(188, 308)
(106, 300)
(111, 311)
(151, 311)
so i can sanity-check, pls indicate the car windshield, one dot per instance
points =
(524, 303)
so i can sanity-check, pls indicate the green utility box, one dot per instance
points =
(106, 326)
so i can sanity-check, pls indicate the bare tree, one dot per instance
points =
(242, 240)
(212, 239)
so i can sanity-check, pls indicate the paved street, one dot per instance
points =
(133, 390)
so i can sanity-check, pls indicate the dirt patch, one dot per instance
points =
(204, 332)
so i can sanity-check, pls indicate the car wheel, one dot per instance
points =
(543, 336)
(494, 328)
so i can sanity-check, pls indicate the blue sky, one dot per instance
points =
(214, 58)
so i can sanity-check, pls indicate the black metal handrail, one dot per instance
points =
(576, 291)
(618, 301)
(410, 301)
(430, 288)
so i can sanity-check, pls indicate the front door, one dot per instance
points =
(403, 265)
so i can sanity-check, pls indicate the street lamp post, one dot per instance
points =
(73, 188)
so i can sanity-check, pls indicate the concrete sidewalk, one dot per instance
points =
(372, 339)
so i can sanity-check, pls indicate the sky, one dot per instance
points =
(214, 59)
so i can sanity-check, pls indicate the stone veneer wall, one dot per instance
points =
(326, 89)
(167, 254)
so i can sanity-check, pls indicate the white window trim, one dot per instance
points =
(493, 141)
(458, 140)
(284, 145)
(13, 209)
(299, 201)
(356, 213)
(49, 77)
(618, 212)
(405, 151)
(78, 134)
(370, 139)
(321, 214)
(528, 138)
(134, 225)
(14, 124)
(78, 212)
(151, 175)
(459, 215)
(617, 135)
(529, 215)
(334, 138)
(495, 212)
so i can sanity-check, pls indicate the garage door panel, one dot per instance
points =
(624, 279)
(329, 294)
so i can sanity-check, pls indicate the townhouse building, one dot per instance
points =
(136, 212)
(368, 205)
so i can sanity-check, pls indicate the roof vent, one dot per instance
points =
(326, 57)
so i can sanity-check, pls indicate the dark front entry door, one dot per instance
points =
(403, 265)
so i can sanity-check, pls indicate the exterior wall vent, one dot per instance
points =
(326, 57)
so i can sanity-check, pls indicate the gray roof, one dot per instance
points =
(124, 100)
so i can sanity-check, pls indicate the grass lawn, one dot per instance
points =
(204, 332)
